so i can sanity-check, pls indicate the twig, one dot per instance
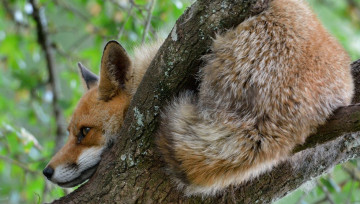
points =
(328, 196)
(69, 54)
(320, 201)
(353, 172)
(72, 9)
(354, 8)
(19, 164)
(11, 14)
(43, 40)
(81, 16)
(121, 31)
(148, 20)
(129, 12)
(140, 8)
(348, 200)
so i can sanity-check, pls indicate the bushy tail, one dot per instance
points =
(206, 155)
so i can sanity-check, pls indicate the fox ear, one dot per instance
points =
(115, 64)
(88, 78)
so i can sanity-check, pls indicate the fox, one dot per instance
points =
(265, 86)
(99, 113)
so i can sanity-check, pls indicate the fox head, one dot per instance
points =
(97, 118)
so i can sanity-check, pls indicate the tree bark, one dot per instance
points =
(132, 171)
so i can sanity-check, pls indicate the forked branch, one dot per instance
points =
(132, 172)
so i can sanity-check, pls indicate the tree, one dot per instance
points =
(132, 170)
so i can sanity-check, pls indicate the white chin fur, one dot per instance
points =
(70, 175)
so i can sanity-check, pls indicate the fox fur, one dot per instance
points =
(101, 109)
(266, 86)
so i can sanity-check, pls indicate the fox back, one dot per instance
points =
(267, 85)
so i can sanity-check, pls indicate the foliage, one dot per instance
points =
(78, 31)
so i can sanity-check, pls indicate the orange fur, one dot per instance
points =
(267, 85)
(102, 110)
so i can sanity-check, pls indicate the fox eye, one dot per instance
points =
(83, 132)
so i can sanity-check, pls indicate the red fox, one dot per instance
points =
(266, 85)
(99, 114)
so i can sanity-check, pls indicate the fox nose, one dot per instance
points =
(48, 172)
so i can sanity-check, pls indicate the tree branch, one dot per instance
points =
(19, 164)
(131, 159)
(344, 120)
(132, 170)
(43, 40)
(148, 20)
(11, 14)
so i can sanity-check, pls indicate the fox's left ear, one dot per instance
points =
(115, 64)
(88, 78)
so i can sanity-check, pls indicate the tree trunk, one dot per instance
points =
(132, 172)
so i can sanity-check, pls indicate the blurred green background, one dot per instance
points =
(77, 31)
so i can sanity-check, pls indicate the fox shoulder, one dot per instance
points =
(265, 87)
(142, 58)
